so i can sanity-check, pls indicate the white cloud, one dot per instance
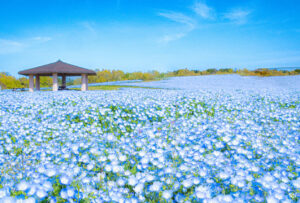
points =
(237, 16)
(171, 37)
(180, 18)
(90, 26)
(6, 42)
(10, 46)
(189, 22)
(13, 46)
(204, 10)
(42, 39)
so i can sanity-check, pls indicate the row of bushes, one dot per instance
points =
(244, 72)
(10, 82)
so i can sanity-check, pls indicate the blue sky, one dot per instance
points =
(143, 35)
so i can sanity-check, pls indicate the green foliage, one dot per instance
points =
(18, 151)
(16, 193)
(46, 81)
(10, 82)
(118, 75)
(57, 187)
(244, 72)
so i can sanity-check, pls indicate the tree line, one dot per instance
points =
(10, 82)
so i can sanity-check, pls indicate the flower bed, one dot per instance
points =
(141, 145)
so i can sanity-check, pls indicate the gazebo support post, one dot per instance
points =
(31, 83)
(84, 82)
(64, 84)
(55, 83)
(37, 83)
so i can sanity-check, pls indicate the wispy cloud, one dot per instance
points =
(201, 9)
(10, 43)
(180, 18)
(238, 16)
(171, 37)
(90, 26)
(204, 11)
(10, 46)
(13, 46)
(185, 20)
(41, 39)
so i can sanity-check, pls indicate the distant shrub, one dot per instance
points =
(211, 70)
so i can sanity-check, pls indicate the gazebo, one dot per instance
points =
(56, 69)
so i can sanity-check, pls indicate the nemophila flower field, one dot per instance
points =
(150, 145)
(216, 82)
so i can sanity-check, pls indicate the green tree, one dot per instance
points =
(9, 82)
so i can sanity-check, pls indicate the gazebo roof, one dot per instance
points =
(59, 67)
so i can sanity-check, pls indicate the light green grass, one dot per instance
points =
(113, 87)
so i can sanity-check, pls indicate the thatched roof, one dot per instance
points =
(59, 67)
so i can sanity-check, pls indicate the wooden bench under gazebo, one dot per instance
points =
(56, 69)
